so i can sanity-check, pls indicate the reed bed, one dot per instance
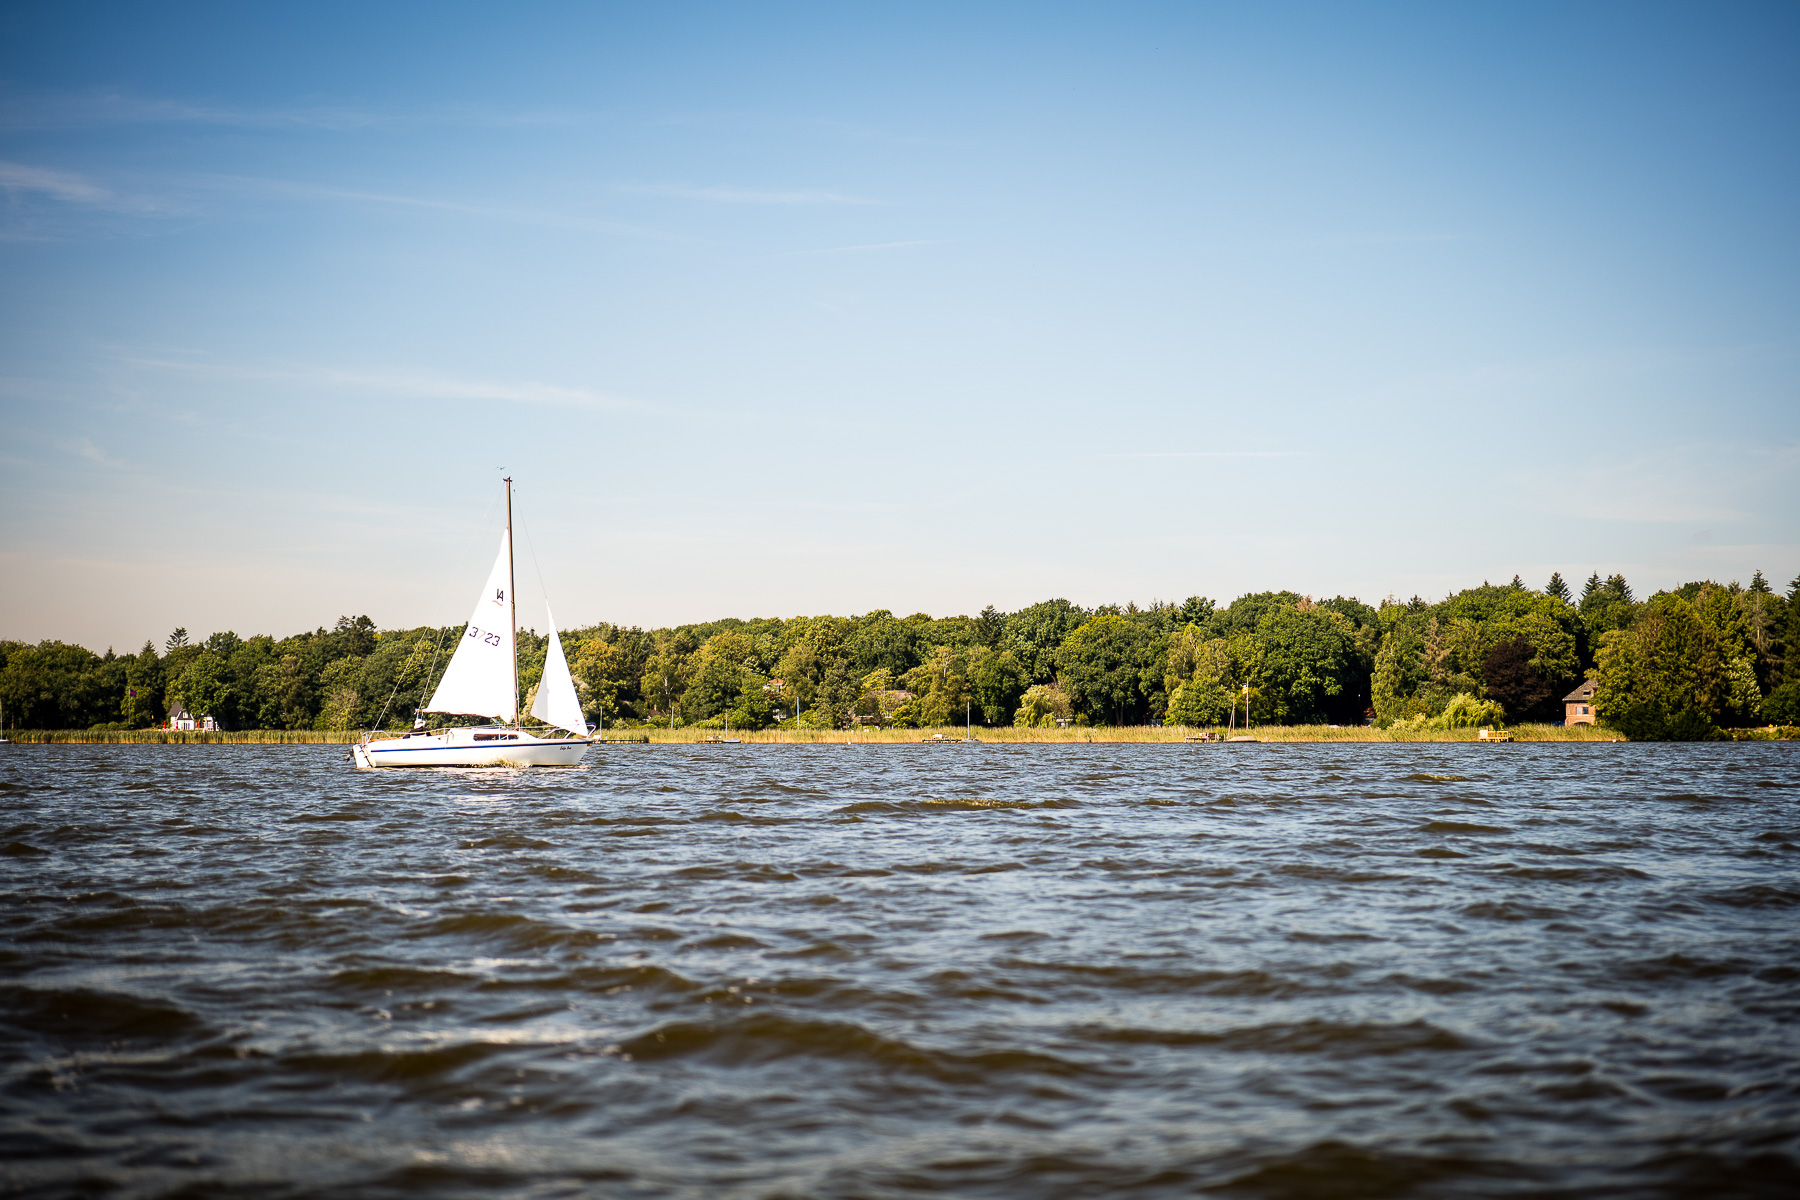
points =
(1097, 734)
(1170, 734)
(182, 737)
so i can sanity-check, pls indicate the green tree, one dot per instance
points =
(1514, 683)
(282, 692)
(1102, 664)
(144, 676)
(1557, 589)
(1306, 662)
(602, 674)
(1782, 706)
(1765, 620)
(55, 685)
(990, 626)
(1606, 607)
(1247, 611)
(1035, 634)
(664, 679)
(1665, 678)
(879, 641)
(998, 682)
(1042, 705)
(751, 709)
(941, 684)
(716, 676)
(1195, 610)
(340, 686)
(1790, 669)
(205, 686)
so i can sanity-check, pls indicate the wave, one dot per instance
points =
(515, 930)
(1303, 1037)
(88, 1013)
(746, 872)
(1338, 1170)
(947, 804)
(769, 1037)
(1249, 982)
(1460, 827)
(1757, 895)
(1511, 910)
(508, 841)
(397, 1065)
(399, 979)
(1593, 874)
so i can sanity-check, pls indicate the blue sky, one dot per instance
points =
(780, 309)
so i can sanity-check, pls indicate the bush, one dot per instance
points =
(1466, 712)
(1199, 703)
(1782, 706)
(1462, 711)
(1040, 706)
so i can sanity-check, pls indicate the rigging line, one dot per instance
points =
(536, 567)
(406, 669)
(468, 540)
(538, 570)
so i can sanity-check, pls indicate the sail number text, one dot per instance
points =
(492, 639)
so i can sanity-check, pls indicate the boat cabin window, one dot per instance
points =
(496, 737)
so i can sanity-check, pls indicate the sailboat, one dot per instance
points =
(482, 680)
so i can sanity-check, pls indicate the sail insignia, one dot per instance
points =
(479, 680)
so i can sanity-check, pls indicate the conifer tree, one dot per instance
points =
(1557, 588)
(1791, 635)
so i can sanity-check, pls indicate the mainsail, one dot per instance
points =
(556, 704)
(479, 679)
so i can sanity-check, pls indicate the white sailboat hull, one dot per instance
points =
(470, 748)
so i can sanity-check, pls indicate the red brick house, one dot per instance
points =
(1578, 705)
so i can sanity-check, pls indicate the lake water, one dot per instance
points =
(883, 971)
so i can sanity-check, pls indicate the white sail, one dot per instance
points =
(556, 704)
(480, 680)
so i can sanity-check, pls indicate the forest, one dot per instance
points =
(1681, 664)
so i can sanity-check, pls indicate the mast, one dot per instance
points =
(512, 607)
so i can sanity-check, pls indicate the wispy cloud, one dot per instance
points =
(409, 384)
(1699, 484)
(58, 185)
(67, 193)
(85, 448)
(66, 110)
(443, 387)
(488, 212)
(1213, 454)
(862, 247)
(739, 195)
(1379, 239)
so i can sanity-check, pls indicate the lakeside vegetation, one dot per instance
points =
(1685, 663)
(948, 735)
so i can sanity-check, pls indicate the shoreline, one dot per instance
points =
(950, 735)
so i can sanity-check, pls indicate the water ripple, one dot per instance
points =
(865, 971)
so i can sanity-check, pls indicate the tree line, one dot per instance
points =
(1679, 665)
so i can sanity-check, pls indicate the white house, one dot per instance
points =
(179, 718)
